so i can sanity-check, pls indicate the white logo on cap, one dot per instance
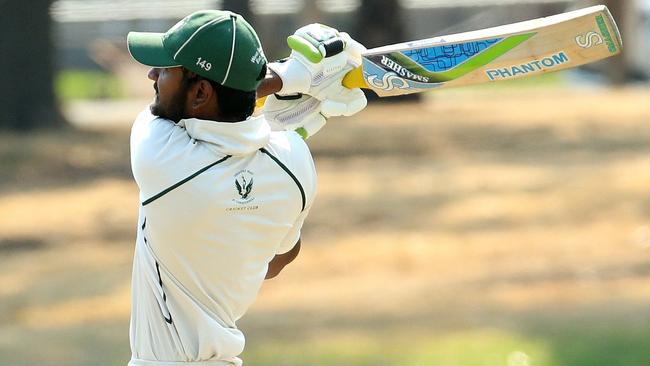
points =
(258, 56)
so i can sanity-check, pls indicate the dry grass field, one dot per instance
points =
(489, 227)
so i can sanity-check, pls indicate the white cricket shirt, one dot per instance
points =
(219, 201)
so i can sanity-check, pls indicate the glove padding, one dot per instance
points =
(300, 113)
(320, 58)
(304, 114)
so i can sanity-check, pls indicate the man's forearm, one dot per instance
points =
(281, 260)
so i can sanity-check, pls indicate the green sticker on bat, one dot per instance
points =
(605, 32)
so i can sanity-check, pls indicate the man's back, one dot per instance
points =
(219, 201)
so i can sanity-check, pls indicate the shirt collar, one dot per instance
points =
(231, 138)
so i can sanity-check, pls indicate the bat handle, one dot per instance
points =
(354, 79)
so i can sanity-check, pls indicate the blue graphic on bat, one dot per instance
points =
(443, 58)
(381, 78)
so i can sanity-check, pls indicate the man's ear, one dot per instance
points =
(202, 95)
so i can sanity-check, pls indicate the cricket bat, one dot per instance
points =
(489, 55)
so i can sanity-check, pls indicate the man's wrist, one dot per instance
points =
(271, 84)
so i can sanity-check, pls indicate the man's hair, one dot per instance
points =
(234, 104)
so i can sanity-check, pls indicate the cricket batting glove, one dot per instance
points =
(301, 113)
(320, 58)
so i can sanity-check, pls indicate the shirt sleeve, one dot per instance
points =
(293, 235)
(306, 174)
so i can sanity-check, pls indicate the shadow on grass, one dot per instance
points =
(19, 244)
(100, 343)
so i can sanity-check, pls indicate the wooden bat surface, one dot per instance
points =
(501, 53)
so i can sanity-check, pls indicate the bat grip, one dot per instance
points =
(353, 79)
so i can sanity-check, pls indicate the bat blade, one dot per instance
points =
(501, 53)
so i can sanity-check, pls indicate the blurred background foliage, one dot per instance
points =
(76, 48)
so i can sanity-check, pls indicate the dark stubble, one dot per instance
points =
(175, 110)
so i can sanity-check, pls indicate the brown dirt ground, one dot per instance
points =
(470, 209)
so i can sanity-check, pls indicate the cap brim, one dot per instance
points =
(147, 48)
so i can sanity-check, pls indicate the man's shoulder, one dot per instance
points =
(289, 144)
(145, 115)
(289, 149)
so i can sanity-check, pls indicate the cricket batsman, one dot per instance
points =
(223, 193)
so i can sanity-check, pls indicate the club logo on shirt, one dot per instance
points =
(244, 186)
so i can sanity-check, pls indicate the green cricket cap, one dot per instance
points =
(216, 44)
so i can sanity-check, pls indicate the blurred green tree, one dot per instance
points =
(27, 99)
(241, 7)
(311, 13)
(380, 24)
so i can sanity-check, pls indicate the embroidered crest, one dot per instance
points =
(244, 186)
